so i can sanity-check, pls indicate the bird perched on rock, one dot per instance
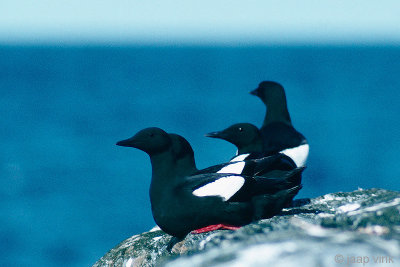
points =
(270, 174)
(249, 167)
(277, 131)
(182, 203)
(247, 138)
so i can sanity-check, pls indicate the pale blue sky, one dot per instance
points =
(200, 22)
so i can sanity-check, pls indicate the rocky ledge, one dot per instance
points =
(360, 228)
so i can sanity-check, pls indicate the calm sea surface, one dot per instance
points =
(68, 194)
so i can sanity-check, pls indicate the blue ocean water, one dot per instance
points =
(68, 194)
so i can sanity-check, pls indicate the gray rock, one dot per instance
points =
(360, 228)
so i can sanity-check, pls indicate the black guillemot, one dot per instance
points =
(182, 203)
(270, 174)
(256, 165)
(277, 131)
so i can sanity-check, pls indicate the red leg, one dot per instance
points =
(215, 227)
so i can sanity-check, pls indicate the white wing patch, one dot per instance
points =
(298, 154)
(224, 187)
(235, 168)
(240, 157)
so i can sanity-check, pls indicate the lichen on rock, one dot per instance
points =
(331, 230)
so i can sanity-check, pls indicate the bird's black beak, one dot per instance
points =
(131, 142)
(123, 143)
(214, 135)
(254, 92)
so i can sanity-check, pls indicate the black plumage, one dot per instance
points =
(181, 203)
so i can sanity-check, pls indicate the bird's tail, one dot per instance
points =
(278, 180)
(269, 205)
(277, 162)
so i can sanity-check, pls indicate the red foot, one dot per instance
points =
(215, 227)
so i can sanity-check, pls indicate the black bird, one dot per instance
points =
(259, 166)
(270, 174)
(181, 204)
(247, 139)
(277, 131)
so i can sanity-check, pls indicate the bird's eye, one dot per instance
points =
(152, 134)
(240, 129)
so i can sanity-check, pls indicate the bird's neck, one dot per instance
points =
(277, 111)
(163, 172)
(255, 147)
(162, 163)
(186, 166)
